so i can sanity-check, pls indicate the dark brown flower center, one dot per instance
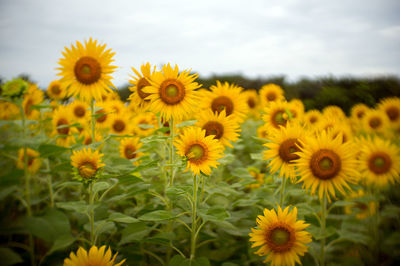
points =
(222, 103)
(375, 122)
(87, 141)
(379, 163)
(251, 103)
(64, 130)
(271, 96)
(102, 118)
(360, 114)
(140, 85)
(196, 153)
(87, 70)
(55, 89)
(172, 91)
(79, 111)
(313, 119)
(280, 238)
(87, 169)
(325, 164)
(393, 113)
(287, 150)
(277, 118)
(214, 128)
(119, 125)
(130, 152)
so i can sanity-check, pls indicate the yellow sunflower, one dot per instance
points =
(95, 256)
(259, 177)
(282, 238)
(61, 121)
(311, 118)
(343, 129)
(333, 111)
(253, 102)
(360, 207)
(87, 163)
(326, 163)
(129, 147)
(263, 131)
(141, 80)
(80, 112)
(172, 94)
(277, 114)
(283, 148)
(85, 70)
(117, 106)
(103, 113)
(271, 93)
(222, 127)
(358, 111)
(391, 106)
(144, 124)
(376, 121)
(201, 151)
(120, 124)
(33, 96)
(56, 90)
(110, 96)
(8, 110)
(34, 161)
(379, 162)
(86, 135)
(226, 97)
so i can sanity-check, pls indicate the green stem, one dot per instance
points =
(323, 226)
(50, 184)
(93, 121)
(203, 180)
(281, 202)
(91, 216)
(171, 151)
(194, 219)
(376, 226)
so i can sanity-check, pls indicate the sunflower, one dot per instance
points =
(61, 122)
(312, 118)
(201, 151)
(253, 102)
(226, 97)
(358, 111)
(282, 150)
(222, 127)
(110, 96)
(86, 136)
(259, 178)
(140, 81)
(333, 111)
(33, 96)
(103, 113)
(375, 121)
(379, 161)
(34, 161)
(85, 70)
(117, 106)
(277, 114)
(56, 90)
(326, 163)
(362, 208)
(14, 88)
(391, 106)
(95, 256)
(129, 147)
(263, 131)
(343, 129)
(87, 163)
(172, 94)
(281, 237)
(271, 93)
(144, 124)
(120, 124)
(8, 111)
(80, 112)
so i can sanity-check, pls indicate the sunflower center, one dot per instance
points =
(172, 91)
(102, 118)
(251, 103)
(88, 141)
(325, 164)
(287, 150)
(280, 238)
(79, 111)
(313, 119)
(119, 125)
(87, 70)
(28, 107)
(222, 103)
(64, 130)
(271, 96)
(140, 85)
(130, 152)
(278, 118)
(87, 170)
(214, 128)
(360, 114)
(393, 113)
(196, 153)
(380, 163)
(375, 122)
(55, 89)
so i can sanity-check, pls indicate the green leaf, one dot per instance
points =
(186, 123)
(14, 177)
(317, 233)
(122, 218)
(78, 206)
(47, 150)
(256, 156)
(99, 186)
(9, 257)
(103, 226)
(156, 216)
(134, 232)
(61, 242)
(178, 260)
(214, 213)
(242, 173)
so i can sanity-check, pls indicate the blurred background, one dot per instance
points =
(324, 52)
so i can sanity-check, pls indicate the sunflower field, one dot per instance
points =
(186, 175)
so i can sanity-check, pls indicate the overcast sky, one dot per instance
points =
(256, 38)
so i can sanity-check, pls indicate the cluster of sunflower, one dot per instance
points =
(325, 152)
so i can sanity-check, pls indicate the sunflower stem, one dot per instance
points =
(376, 225)
(50, 184)
(323, 225)
(27, 183)
(171, 151)
(282, 199)
(194, 220)
(91, 215)
(203, 180)
(93, 121)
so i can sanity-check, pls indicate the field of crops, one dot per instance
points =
(186, 175)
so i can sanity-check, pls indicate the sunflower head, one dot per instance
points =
(144, 124)
(33, 160)
(79, 112)
(14, 88)
(391, 107)
(139, 81)
(311, 118)
(376, 121)
(32, 97)
(56, 90)
(277, 114)
(362, 207)
(95, 256)
(85, 70)
(253, 102)
(129, 147)
(8, 110)
(333, 111)
(271, 93)
(86, 164)
(280, 236)
(201, 151)
(62, 126)
(120, 124)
